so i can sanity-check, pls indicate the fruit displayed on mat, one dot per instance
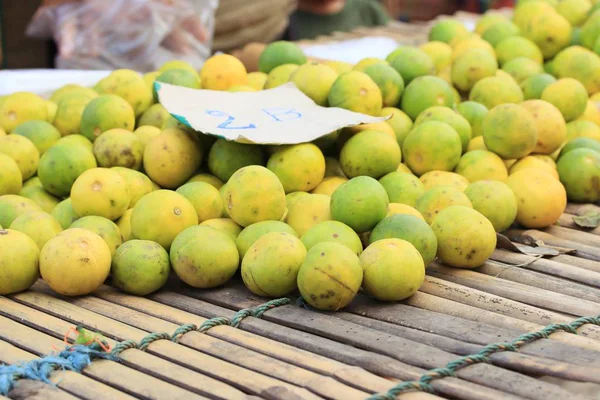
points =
(485, 130)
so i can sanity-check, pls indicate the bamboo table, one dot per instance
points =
(295, 353)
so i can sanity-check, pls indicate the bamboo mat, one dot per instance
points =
(296, 353)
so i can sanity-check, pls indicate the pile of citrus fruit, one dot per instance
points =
(487, 129)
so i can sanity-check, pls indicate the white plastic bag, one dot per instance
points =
(134, 34)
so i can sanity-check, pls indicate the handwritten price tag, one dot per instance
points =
(283, 115)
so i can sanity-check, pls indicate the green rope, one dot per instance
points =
(423, 384)
(235, 321)
(79, 356)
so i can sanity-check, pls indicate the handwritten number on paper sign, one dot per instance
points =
(280, 114)
(227, 123)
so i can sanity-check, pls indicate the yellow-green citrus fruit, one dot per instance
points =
(204, 257)
(161, 215)
(138, 184)
(356, 91)
(61, 165)
(225, 225)
(410, 228)
(551, 126)
(67, 254)
(41, 133)
(330, 276)
(332, 231)
(466, 239)
(279, 53)
(253, 232)
(308, 211)
(226, 157)
(371, 153)
(63, 212)
(430, 146)
(510, 131)
(11, 179)
(450, 117)
(20, 107)
(172, 157)
(118, 148)
(398, 208)
(254, 194)
(425, 92)
(433, 179)
(579, 172)
(393, 269)
(438, 198)
(495, 200)
(106, 112)
(19, 261)
(541, 198)
(411, 63)
(23, 151)
(360, 203)
(206, 199)
(315, 81)
(12, 205)
(270, 266)
(399, 121)
(140, 267)
(480, 165)
(38, 225)
(124, 225)
(402, 188)
(102, 192)
(569, 96)
(105, 228)
(299, 167)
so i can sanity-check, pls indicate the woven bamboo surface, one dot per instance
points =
(296, 353)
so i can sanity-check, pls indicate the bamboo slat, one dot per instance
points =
(167, 350)
(377, 363)
(537, 297)
(69, 381)
(403, 350)
(319, 364)
(35, 340)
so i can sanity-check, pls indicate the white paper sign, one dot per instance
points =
(283, 115)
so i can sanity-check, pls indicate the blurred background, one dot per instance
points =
(140, 34)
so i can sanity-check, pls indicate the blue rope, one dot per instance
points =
(423, 384)
(73, 358)
(77, 357)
